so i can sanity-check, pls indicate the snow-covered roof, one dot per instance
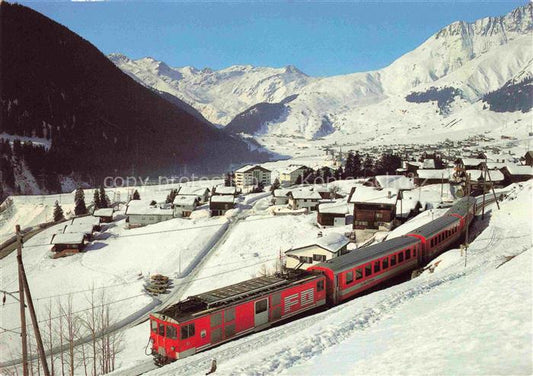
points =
(293, 168)
(433, 174)
(223, 199)
(251, 167)
(142, 207)
(334, 208)
(495, 175)
(281, 192)
(332, 242)
(472, 161)
(222, 190)
(94, 221)
(192, 191)
(184, 200)
(104, 212)
(428, 163)
(395, 181)
(301, 194)
(496, 165)
(69, 238)
(518, 170)
(372, 195)
(85, 228)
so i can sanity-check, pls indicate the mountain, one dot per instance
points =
(443, 77)
(59, 89)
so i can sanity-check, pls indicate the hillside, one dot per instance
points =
(57, 86)
(472, 59)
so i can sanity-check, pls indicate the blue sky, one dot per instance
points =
(320, 38)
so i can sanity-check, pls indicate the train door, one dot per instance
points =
(261, 312)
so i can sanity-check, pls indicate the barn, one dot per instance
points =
(332, 213)
(374, 208)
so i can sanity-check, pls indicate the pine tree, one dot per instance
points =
(368, 166)
(171, 196)
(275, 185)
(339, 174)
(357, 169)
(104, 200)
(79, 201)
(96, 199)
(326, 175)
(136, 195)
(58, 212)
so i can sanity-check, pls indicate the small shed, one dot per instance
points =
(79, 228)
(323, 249)
(219, 205)
(528, 158)
(70, 241)
(105, 214)
(332, 213)
(89, 219)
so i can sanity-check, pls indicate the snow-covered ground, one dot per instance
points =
(473, 319)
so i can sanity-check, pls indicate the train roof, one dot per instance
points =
(433, 227)
(362, 255)
(187, 309)
(461, 206)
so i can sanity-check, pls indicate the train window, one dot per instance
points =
(172, 332)
(408, 254)
(319, 258)
(261, 306)
(377, 266)
(359, 273)
(393, 260)
(216, 319)
(187, 331)
(203, 333)
(385, 263)
(400, 257)
(229, 315)
(368, 270)
(161, 330)
(349, 277)
(320, 285)
(414, 250)
(153, 324)
(306, 259)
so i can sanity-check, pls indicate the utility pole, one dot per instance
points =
(493, 192)
(484, 185)
(467, 214)
(22, 305)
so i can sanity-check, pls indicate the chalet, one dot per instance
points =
(528, 158)
(221, 190)
(432, 176)
(516, 174)
(89, 219)
(248, 177)
(332, 214)
(399, 182)
(105, 214)
(141, 213)
(280, 196)
(477, 176)
(304, 199)
(69, 241)
(79, 228)
(325, 248)
(408, 205)
(201, 192)
(469, 163)
(184, 205)
(290, 175)
(374, 208)
(219, 205)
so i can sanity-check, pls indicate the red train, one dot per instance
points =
(209, 319)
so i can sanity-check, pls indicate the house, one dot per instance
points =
(290, 175)
(201, 192)
(325, 248)
(411, 167)
(184, 205)
(528, 158)
(221, 190)
(89, 219)
(470, 163)
(219, 205)
(105, 214)
(69, 241)
(428, 163)
(432, 176)
(400, 182)
(374, 208)
(250, 176)
(516, 174)
(79, 228)
(332, 213)
(494, 176)
(141, 213)
(304, 199)
(280, 196)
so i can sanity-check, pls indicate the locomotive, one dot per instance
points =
(214, 317)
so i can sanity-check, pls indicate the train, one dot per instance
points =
(209, 319)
